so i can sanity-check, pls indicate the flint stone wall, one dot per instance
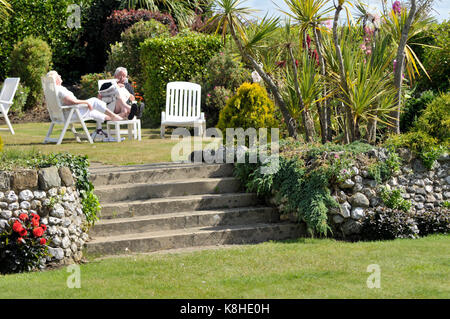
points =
(50, 193)
(358, 195)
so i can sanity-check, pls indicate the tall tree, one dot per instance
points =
(400, 60)
(231, 16)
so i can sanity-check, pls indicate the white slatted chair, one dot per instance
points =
(6, 100)
(183, 107)
(62, 114)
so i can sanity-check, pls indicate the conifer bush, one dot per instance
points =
(251, 107)
(30, 60)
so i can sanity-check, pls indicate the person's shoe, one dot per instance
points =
(100, 135)
(133, 112)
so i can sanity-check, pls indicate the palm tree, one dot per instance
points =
(183, 11)
(231, 16)
(5, 9)
(309, 14)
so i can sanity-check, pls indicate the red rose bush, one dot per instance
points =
(23, 245)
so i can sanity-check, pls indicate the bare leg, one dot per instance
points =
(110, 116)
(123, 106)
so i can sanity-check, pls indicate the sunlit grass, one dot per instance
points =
(305, 268)
(29, 137)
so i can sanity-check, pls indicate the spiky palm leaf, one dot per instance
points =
(5, 9)
(231, 13)
(184, 11)
(394, 25)
(308, 13)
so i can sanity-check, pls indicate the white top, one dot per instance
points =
(63, 93)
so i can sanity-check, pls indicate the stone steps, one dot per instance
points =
(193, 237)
(151, 173)
(154, 207)
(127, 192)
(126, 209)
(234, 216)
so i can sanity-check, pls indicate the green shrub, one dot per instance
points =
(117, 56)
(393, 199)
(127, 53)
(215, 101)
(46, 19)
(221, 80)
(435, 119)
(178, 58)
(383, 170)
(388, 224)
(251, 107)
(30, 60)
(306, 192)
(89, 84)
(353, 148)
(437, 60)
(413, 109)
(420, 143)
(433, 222)
(20, 99)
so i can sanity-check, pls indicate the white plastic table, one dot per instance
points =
(134, 129)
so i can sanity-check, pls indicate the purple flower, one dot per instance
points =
(208, 95)
(397, 7)
(329, 24)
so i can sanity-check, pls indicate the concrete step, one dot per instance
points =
(151, 173)
(169, 205)
(193, 237)
(235, 216)
(194, 186)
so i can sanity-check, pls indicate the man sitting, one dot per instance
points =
(124, 93)
(96, 108)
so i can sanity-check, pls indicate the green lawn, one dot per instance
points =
(306, 268)
(151, 149)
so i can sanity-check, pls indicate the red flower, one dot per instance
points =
(35, 216)
(44, 227)
(38, 232)
(23, 232)
(43, 241)
(19, 240)
(35, 222)
(23, 217)
(17, 226)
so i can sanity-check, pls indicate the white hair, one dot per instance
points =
(120, 69)
(52, 74)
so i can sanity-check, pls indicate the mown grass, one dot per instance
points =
(151, 149)
(305, 268)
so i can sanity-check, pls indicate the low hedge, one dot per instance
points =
(178, 58)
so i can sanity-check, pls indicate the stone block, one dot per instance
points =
(66, 176)
(49, 178)
(24, 179)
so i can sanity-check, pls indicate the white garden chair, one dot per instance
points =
(183, 107)
(62, 114)
(6, 100)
